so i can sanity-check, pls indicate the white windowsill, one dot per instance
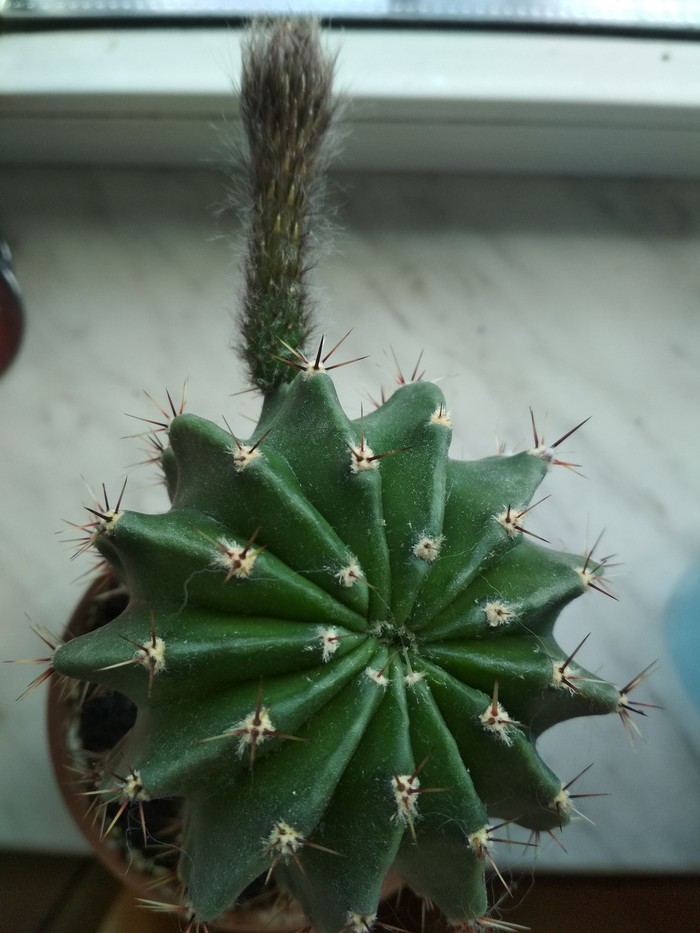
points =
(443, 101)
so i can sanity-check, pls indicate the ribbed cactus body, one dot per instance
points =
(340, 644)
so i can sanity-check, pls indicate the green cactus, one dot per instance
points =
(339, 639)
(340, 643)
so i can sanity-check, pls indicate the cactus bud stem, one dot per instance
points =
(287, 107)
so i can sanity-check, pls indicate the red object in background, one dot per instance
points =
(11, 315)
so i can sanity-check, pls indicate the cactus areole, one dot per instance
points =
(339, 640)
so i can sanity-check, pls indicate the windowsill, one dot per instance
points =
(421, 101)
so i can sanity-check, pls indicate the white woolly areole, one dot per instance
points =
(152, 655)
(509, 520)
(358, 923)
(497, 721)
(544, 453)
(413, 678)
(312, 368)
(378, 677)
(441, 416)
(254, 729)
(237, 561)
(133, 788)
(105, 523)
(284, 840)
(406, 788)
(428, 548)
(243, 455)
(361, 459)
(561, 677)
(349, 574)
(498, 613)
(587, 576)
(561, 803)
(329, 641)
(479, 841)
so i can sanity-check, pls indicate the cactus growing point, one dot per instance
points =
(339, 639)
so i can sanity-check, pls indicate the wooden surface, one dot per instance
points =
(126, 915)
(551, 905)
(51, 894)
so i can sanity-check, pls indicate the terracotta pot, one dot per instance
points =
(70, 761)
(64, 703)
